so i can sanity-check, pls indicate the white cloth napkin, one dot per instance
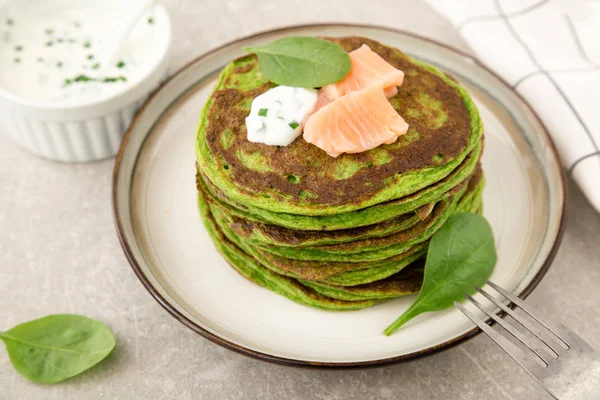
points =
(549, 51)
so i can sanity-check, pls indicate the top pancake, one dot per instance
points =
(303, 179)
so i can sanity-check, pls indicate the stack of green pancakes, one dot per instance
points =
(338, 233)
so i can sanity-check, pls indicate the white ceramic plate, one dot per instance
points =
(170, 251)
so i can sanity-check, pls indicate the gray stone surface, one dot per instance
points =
(59, 253)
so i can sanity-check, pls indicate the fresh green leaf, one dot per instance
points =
(302, 61)
(461, 256)
(263, 112)
(294, 125)
(57, 347)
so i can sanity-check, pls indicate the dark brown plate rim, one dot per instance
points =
(316, 364)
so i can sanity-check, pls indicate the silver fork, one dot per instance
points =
(558, 359)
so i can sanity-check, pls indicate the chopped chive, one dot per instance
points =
(120, 64)
(87, 45)
(59, 64)
(96, 66)
(17, 60)
(115, 79)
(71, 40)
(263, 112)
(10, 21)
(49, 44)
(40, 59)
(60, 40)
(150, 20)
(90, 57)
(83, 78)
(18, 48)
(294, 125)
(49, 31)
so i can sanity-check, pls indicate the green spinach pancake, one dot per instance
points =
(346, 232)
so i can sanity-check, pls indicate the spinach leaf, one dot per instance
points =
(302, 61)
(57, 347)
(461, 256)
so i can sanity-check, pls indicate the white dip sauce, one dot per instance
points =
(276, 116)
(52, 52)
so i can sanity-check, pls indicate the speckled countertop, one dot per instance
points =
(59, 253)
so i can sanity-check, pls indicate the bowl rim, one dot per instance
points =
(106, 104)
(320, 364)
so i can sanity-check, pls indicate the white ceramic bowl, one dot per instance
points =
(87, 132)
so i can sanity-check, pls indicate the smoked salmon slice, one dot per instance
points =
(368, 69)
(356, 122)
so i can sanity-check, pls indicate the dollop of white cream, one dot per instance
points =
(276, 116)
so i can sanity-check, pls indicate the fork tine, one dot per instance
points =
(522, 321)
(558, 329)
(510, 329)
(531, 366)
